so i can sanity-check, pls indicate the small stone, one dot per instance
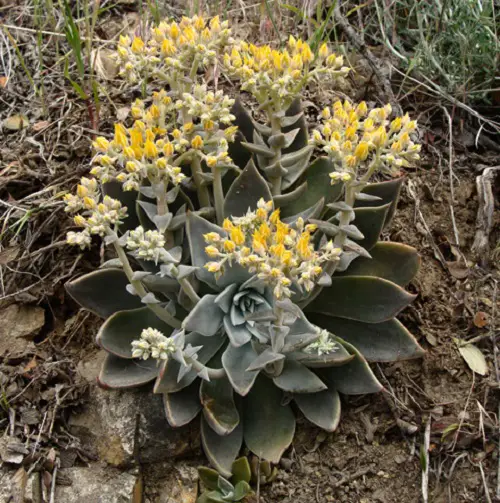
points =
(94, 484)
(400, 459)
(107, 424)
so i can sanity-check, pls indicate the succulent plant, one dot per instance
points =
(249, 281)
(219, 489)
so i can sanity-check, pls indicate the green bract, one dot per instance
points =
(247, 287)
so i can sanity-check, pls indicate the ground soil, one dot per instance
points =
(375, 455)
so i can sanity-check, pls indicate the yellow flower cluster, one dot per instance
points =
(96, 218)
(173, 50)
(139, 153)
(280, 255)
(280, 75)
(355, 137)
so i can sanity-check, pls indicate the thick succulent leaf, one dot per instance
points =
(313, 212)
(237, 152)
(361, 298)
(219, 408)
(297, 378)
(370, 222)
(284, 199)
(221, 451)
(245, 192)
(388, 341)
(103, 292)
(121, 373)
(388, 193)
(205, 317)
(235, 362)
(238, 334)
(241, 470)
(169, 370)
(318, 186)
(302, 137)
(268, 426)
(120, 329)
(322, 409)
(209, 477)
(241, 489)
(182, 407)
(267, 357)
(128, 199)
(394, 262)
(312, 360)
(354, 378)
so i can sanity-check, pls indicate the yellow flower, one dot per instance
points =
(154, 111)
(208, 125)
(211, 237)
(361, 151)
(168, 149)
(188, 127)
(150, 149)
(81, 191)
(303, 245)
(120, 135)
(89, 203)
(197, 142)
(79, 221)
(275, 216)
(227, 225)
(101, 143)
(237, 235)
(361, 109)
(229, 246)
(167, 47)
(323, 51)
(213, 267)
(351, 161)
(136, 112)
(211, 161)
(211, 251)
(137, 45)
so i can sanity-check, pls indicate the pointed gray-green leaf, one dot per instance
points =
(301, 138)
(354, 378)
(103, 292)
(169, 370)
(388, 341)
(160, 284)
(258, 149)
(297, 378)
(121, 373)
(238, 334)
(209, 477)
(312, 360)
(312, 212)
(290, 120)
(245, 192)
(235, 362)
(120, 329)
(361, 298)
(370, 221)
(394, 262)
(225, 298)
(388, 193)
(288, 198)
(269, 427)
(221, 451)
(322, 409)
(318, 186)
(205, 317)
(265, 358)
(238, 154)
(182, 407)
(219, 408)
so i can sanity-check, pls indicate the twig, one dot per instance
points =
(425, 458)
(53, 484)
(353, 476)
(485, 485)
(484, 220)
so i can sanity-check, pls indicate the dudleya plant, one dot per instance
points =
(249, 281)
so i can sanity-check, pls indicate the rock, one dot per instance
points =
(107, 425)
(96, 485)
(18, 322)
(179, 486)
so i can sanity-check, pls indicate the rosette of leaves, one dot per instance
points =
(267, 373)
(219, 489)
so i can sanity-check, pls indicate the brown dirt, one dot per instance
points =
(375, 453)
